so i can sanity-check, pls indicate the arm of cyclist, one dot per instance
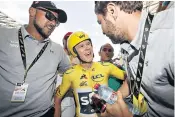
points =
(57, 101)
(118, 73)
(121, 74)
(61, 90)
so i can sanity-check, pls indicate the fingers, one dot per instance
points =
(118, 109)
(104, 114)
(120, 100)
(108, 108)
(119, 95)
(113, 110)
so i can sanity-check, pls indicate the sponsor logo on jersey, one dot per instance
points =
(83, 83)
(84, 100)
(82, 36)
(98, 77)
(83, 76)
(93, 69)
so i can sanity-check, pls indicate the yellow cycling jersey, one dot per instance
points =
(82, 82)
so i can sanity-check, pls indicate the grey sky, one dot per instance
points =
(81, 17)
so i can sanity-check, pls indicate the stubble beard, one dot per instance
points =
(114, 33)
(40, 30)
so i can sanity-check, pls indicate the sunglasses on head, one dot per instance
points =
(106, 49)
(50, 16)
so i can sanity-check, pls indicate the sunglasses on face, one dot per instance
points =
(106, 49)
(50, 16)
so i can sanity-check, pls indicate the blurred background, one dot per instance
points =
(81, 17)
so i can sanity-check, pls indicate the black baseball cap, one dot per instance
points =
(62, 16)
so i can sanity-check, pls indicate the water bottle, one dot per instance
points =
(107, 94)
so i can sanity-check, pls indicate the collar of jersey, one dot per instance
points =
(80, 66)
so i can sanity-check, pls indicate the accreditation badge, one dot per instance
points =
(140, 103)
(20, 92)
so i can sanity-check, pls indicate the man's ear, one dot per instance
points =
(32, 11)
(111, 9)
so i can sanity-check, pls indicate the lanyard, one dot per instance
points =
(136, 83)
(23, 54)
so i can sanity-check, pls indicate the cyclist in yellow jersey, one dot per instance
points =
(67, 103)
(84, 76)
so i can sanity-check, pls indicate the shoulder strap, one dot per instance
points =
(136, 83)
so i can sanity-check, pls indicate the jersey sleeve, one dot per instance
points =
(64, 86)
(116, 72)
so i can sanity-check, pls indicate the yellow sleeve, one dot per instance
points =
(65, 85)
(116, 72)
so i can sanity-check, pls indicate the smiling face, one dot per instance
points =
(85, 51)
(43, 23)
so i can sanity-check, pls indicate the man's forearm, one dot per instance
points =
(127, 113)
(57, 107)
(124, 89)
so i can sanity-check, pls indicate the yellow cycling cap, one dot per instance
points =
(74, 39)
